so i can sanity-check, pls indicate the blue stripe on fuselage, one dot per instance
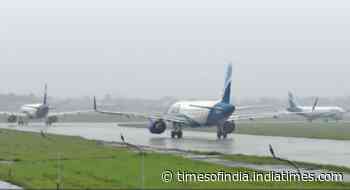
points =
(42, 112)
(216, 116)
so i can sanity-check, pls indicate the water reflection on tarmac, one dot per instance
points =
(321, 151)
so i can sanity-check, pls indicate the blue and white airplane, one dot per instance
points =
(196, 114)
(38, 111)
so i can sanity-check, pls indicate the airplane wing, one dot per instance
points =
(185, 120)
(285, 113)
(316, 114)
(301, 113)
(241, 108)
(153, 116)
(12, 117)
(131, 114)
(60, 114)
(20, 114)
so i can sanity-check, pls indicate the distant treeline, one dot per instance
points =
(12, 102)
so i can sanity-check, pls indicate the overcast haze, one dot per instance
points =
(156, 48)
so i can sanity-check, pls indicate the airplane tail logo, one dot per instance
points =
(45, 95)
(227, 86)
(292, 102)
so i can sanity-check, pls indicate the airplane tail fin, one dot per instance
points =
(292, 101)
(95, 104)
(45, 95)
(227, 86)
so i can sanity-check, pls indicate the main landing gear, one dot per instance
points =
(48, 123)
(221, 132)
(22, 122)
(177, 131)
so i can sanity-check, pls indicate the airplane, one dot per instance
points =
(314, 112)
(196, 114)
(36, 112)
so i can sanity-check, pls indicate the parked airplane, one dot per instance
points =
(196, 114)
(36, 111)
(314, 112)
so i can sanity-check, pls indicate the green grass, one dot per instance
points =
(262, 160)
(91, 164)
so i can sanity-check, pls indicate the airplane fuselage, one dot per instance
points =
(332, 112)
(35, 111)
(200, 114)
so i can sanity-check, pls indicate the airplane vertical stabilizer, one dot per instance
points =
(45, 95)
(292, 101)
(227, 86)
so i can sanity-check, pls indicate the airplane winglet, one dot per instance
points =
(315, 104)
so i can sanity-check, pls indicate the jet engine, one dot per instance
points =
(51, 119)
(157, 127)
(12, 119)
(229, 127)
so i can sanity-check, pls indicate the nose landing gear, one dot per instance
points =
(221, 132)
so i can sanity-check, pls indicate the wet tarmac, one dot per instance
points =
(335, 152)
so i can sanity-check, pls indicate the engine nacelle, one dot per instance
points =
(52, 119)
(157, 127)
(229, 127)
(12, 119)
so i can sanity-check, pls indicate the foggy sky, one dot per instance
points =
(156, 48)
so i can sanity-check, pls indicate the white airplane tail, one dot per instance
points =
(293, 104)
(45, 95)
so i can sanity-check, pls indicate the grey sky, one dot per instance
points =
(156, 48)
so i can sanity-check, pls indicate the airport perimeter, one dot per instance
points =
(59, 159)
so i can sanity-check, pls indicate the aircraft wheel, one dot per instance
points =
(179, 134)
(173, 134)
(218, 134)
(20, 123)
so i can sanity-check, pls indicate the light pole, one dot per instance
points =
(140, 150)
(272, 152)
